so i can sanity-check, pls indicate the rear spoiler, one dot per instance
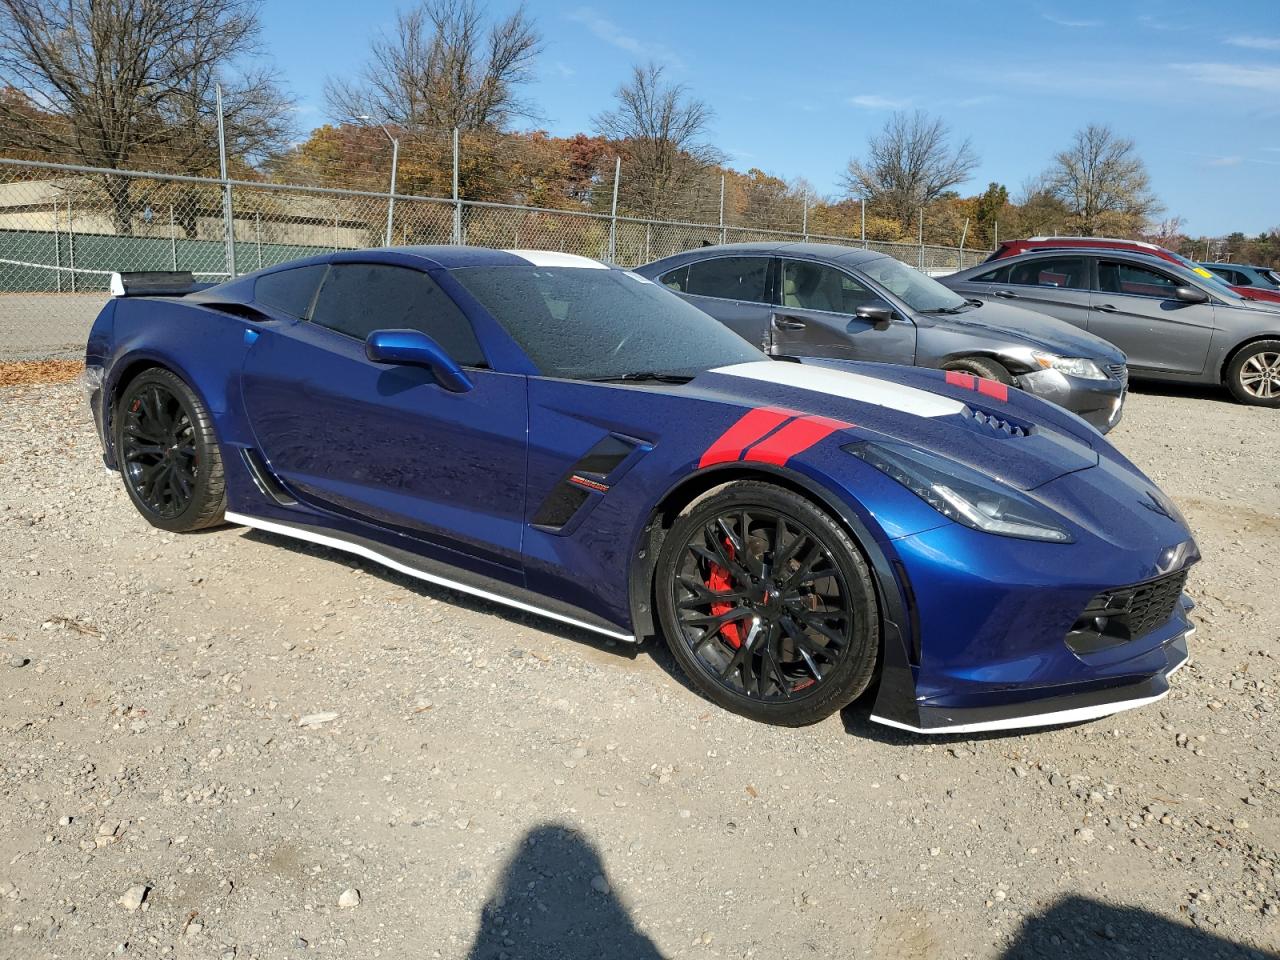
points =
(155, 283)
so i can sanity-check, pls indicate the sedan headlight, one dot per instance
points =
(1080, 367)
(961, 494)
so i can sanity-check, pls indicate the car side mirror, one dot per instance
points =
(879, 314)
(414, 348)
(1191, 295)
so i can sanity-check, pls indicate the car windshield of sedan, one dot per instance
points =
(920, 293)
(581, 323)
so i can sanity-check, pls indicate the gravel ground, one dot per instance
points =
(226, 745)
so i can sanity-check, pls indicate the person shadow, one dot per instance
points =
(554, 900)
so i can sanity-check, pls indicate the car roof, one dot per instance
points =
(816, 251)
(1086, 240)
(1140, 255)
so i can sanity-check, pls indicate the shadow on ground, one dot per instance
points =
(554, 901)
(1079, 927)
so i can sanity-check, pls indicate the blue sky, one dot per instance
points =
(798, 87)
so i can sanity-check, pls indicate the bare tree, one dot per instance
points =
(118, 82)
(442, 69)
(909, 164)
(1103, 183)
(662, 130)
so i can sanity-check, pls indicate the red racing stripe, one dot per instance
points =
(993, 389)
(753, 425)
(796, 437)
(957, 379)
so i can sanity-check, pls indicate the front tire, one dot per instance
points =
(982, 367)
(1253, 375)
(768, 605)
(168, 453)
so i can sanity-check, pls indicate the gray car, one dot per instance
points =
(822, 300)
(1171, 323)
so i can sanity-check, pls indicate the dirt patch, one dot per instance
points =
(16, 373)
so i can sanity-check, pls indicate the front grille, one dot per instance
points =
(1118, 371)
(1128, 613)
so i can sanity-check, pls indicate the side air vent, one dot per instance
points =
(590, 478)
(993, 424)
(264, 479)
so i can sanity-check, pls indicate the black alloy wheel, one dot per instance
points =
(167, 453)
(768, 605)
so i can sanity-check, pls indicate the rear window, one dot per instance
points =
(289, 291)
(728, 278)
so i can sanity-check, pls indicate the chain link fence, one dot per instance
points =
(64, 230)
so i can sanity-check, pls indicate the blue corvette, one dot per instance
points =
(574, 440)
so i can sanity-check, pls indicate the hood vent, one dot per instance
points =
(994, 425)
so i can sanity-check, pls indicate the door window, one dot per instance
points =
(1115, 276)
(999, 275)
(358, 298)
(290, 291)
(1066, 273)
(816, 286)
(728, 278)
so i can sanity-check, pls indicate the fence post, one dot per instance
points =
(173, 242)
(57, 248)
(804, 222)
(228, 222)
(391, 197)
(648, 237)
(996, 239)
(920, 262)
(257, 234)
(862, 206)
(613, 211)
(457, 204)
(723, 236)
(964, 235)
(71, 245)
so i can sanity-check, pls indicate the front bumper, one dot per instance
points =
(1100, 402)
(1052, 705)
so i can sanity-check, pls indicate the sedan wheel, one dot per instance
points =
(1253, 376)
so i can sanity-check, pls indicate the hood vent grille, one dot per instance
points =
(994, 425)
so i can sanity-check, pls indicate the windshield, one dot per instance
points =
(598, 324)
(911, 286)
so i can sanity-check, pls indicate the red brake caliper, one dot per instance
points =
(718, 581)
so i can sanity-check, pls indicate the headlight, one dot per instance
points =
(961, 494)
(1072, 366)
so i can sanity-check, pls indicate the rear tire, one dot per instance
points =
(1253, 375)
(168, 453)
(982, 367)
(768, 605)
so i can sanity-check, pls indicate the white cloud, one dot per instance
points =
(612, 34)
(1233, 75)
(1225, 162)
(1254, 42)
(874, 101)
(1068, 22)
(564, 69)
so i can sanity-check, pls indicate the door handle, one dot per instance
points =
(788, 323)
(1006, 295)
(1105, 308)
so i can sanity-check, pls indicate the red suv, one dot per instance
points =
(1011, 248)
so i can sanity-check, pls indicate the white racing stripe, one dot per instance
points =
(551, 258)
(850, 386)
(337, 543)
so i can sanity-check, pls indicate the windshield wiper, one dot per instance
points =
(646, 376)
(935, 310)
